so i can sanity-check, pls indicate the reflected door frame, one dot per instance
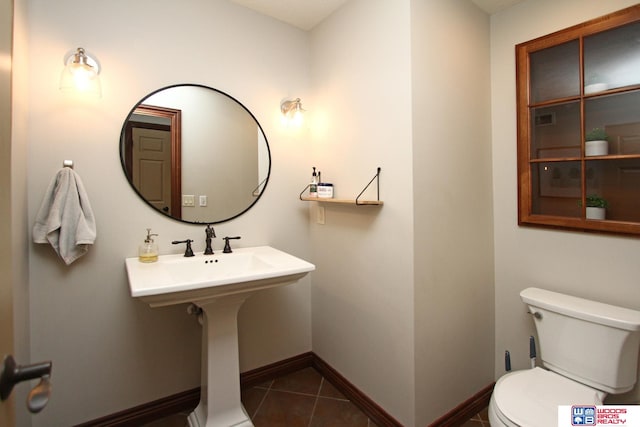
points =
(175, 118)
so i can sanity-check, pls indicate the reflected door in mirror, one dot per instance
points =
(151, 153)
(219, 154)
(151, 156)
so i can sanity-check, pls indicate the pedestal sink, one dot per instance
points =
(218, 284)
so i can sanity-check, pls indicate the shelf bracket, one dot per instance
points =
(375, 178)
(302, 192)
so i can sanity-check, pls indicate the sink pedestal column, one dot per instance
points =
(220, 404)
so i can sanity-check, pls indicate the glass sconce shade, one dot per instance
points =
(292, 112)
(80, 74)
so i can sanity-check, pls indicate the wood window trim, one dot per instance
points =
(524, 106)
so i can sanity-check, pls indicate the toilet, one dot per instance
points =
(588, 350)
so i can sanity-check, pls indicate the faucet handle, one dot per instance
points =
(227, 247)
(188, 252)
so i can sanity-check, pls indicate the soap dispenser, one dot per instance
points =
(313, 185)
(148, 251)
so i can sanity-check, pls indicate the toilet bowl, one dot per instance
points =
(520, 394)
(588, 349)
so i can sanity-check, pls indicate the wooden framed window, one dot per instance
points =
(578, 108)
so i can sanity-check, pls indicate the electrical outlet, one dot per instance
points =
(188, 200)
(320, 215)
(203, 200)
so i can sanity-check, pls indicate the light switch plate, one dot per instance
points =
(188, 200)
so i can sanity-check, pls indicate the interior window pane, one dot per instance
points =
(555, 131)
(555, 72)
(556, 188)
(612, 59)
(619, 116)
(617, 182)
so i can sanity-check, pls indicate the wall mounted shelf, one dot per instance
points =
(357, 201)
(343, 201)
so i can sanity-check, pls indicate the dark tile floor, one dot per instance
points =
(480, 420)
(301, 399)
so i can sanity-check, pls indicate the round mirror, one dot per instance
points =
(195, 154)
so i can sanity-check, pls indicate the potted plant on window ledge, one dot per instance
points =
(596, 143)
(596, 207)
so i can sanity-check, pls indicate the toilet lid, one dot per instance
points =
(530, 398)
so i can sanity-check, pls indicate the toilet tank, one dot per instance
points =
(590, 342)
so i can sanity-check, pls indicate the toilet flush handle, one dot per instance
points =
(536, 314)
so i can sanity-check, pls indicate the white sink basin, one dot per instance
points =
(218, 284)
(176, 279)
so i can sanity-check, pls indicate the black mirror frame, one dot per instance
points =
(263, 184)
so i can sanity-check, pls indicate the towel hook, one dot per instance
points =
(67, 164)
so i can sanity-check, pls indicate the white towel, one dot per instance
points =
(65, 219)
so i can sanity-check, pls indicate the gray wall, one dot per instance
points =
(452, 194)
(362, 294)
(111, 352)
(600, 267)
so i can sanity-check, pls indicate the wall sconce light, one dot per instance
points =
(80, 73)
(292, 112)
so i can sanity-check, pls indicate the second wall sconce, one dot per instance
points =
(80, 73)
(292, 111)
